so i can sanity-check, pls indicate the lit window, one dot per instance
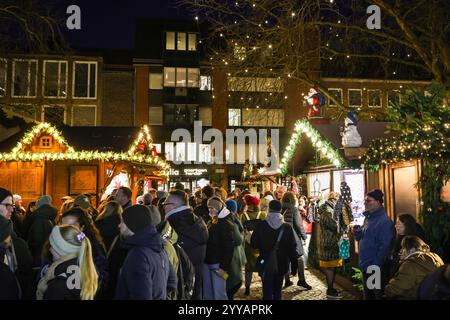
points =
(181, 41)
(24, 78)
(193, 75)
(234, 117)
(337, 94)
(253, 117)
(170, 40)
(192, 42)
(205, 83)
(374, 97)
(169, 151)
(355, 98)
(45, 142)
(169, 77)
(55, 75)
(181, 78)
(156, 81)
(181, 151)
(85, 79)
(205, 115)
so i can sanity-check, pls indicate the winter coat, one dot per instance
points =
(328, 248)
(412, 271)
(108, 228)
(251, 254)
(57, 288)
(307, 225)
(24, 272)
(292, 216)
(192, 234)
(115, 261)
(375, 239)
(435, 286)
(40, 231)
(9, 288)
(223, 248)
(264, 238)
(202, 211)
(146, 273)
(169, 237)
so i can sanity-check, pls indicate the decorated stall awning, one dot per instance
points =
(31, 146)
(304, 127)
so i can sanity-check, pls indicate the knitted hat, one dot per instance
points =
(251, 200)
(43, 200)
(346, 194)
(6, 228)
(377, 194)
(82, 201)
(137, 217)
(231, 205)
(60, 245)
(148, 198)
(4, 193)
(275, 206)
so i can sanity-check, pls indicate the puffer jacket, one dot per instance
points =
(412, 271)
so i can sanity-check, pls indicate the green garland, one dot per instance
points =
(320, 143)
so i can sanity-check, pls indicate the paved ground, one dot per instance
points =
(315, 279)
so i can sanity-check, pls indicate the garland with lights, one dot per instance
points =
(320, 143)
(19, 152)
(429, 144)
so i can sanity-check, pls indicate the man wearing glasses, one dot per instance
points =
(17, 256)
(192, 233)
(375, 239)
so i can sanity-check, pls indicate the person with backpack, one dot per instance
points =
(146, 273)
(277, 246)
(251, 216)
(192, 233)
(292, 216)
(417, 262)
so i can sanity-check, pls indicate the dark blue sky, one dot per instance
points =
(110, 23)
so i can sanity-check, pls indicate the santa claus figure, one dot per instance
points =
(315, 101)
(350, 136)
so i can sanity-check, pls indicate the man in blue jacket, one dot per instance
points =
(375, 239)
(146, 273)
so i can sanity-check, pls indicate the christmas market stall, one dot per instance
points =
(79, 160)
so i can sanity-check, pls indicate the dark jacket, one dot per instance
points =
(375, 239)
(9, 288)
(292, 216)
(57, 288)
(435, 286)
(24, 271)
(192, 234)
(221, 243)
(328, 248)
(40, 231)
(146, 273)
(108, 228)
(202, 211)
(264, 239)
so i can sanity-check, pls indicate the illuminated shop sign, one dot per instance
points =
(188, 172)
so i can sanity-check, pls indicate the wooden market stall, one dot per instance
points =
(91, 161)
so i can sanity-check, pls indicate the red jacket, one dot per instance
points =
(307, 225)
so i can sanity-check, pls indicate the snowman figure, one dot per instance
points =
(315, 101)
(350, 136)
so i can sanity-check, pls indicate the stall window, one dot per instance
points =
(355, 98)
(46, 142)
(319, 184)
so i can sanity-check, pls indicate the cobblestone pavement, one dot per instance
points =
(314, 278)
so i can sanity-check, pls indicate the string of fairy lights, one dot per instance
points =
(19, 153)
(324, 146)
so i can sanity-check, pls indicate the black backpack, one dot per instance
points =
(185, 274)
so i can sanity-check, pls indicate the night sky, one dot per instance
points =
(110, 24)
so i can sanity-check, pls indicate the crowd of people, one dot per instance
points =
(206, 245)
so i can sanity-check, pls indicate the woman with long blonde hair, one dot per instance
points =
(72, 275)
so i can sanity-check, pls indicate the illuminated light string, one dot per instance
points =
(320, 143)
(18, 153)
